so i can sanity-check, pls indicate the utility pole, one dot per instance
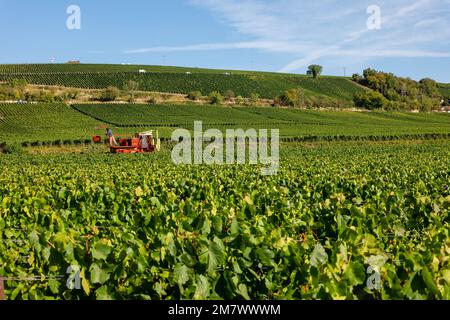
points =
(345, 71)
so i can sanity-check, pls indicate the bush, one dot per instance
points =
(131, 87)
(428, 104)
(254, 97)
(73, 94)
(357, 78)
(153, 99)
(239, 100)
(194, 95)
(109, 94)
(229, 95)
(46, 96)
(291, 98)
(370, 100)
(215, 97)
(60, 98)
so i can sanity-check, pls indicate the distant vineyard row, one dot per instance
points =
(144, 114)
(50, 122)
(74, 68)
(267, 86)
(32, 122)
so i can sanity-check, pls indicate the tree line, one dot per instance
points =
(390, 92)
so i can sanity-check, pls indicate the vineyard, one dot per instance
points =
(291, 122)
(111, 68)
(44, 123)
(176, 80)
(202, 193)
(445, 91)
(334, 212)
(32, 122)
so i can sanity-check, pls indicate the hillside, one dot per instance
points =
(444, 89)
(291, 122)
(44, 122)
(50, 122)
(181, 80)
(184, 115)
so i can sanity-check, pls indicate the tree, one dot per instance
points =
(215, 97)
(369, 72)
(399, 93)
(4, 92)
(314, 70)
(18, 88)
(291, 98)
(357, 78)
(131, 87)
(109, 94)
(430, 88)
(254, 97)
(370, 100)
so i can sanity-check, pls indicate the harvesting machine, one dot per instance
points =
(143, 142)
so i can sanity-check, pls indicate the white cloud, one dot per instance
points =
(266, 45)
(392, 53)
(428, 22)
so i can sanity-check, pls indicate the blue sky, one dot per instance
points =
(269, 35)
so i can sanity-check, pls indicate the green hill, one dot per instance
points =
(291, 122)
(444, 89)
(180, 80)
(44, 122)
(50, 122)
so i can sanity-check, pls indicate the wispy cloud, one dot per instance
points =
(392, 53)
(374, 51)
(313, 30)
(266, 45)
